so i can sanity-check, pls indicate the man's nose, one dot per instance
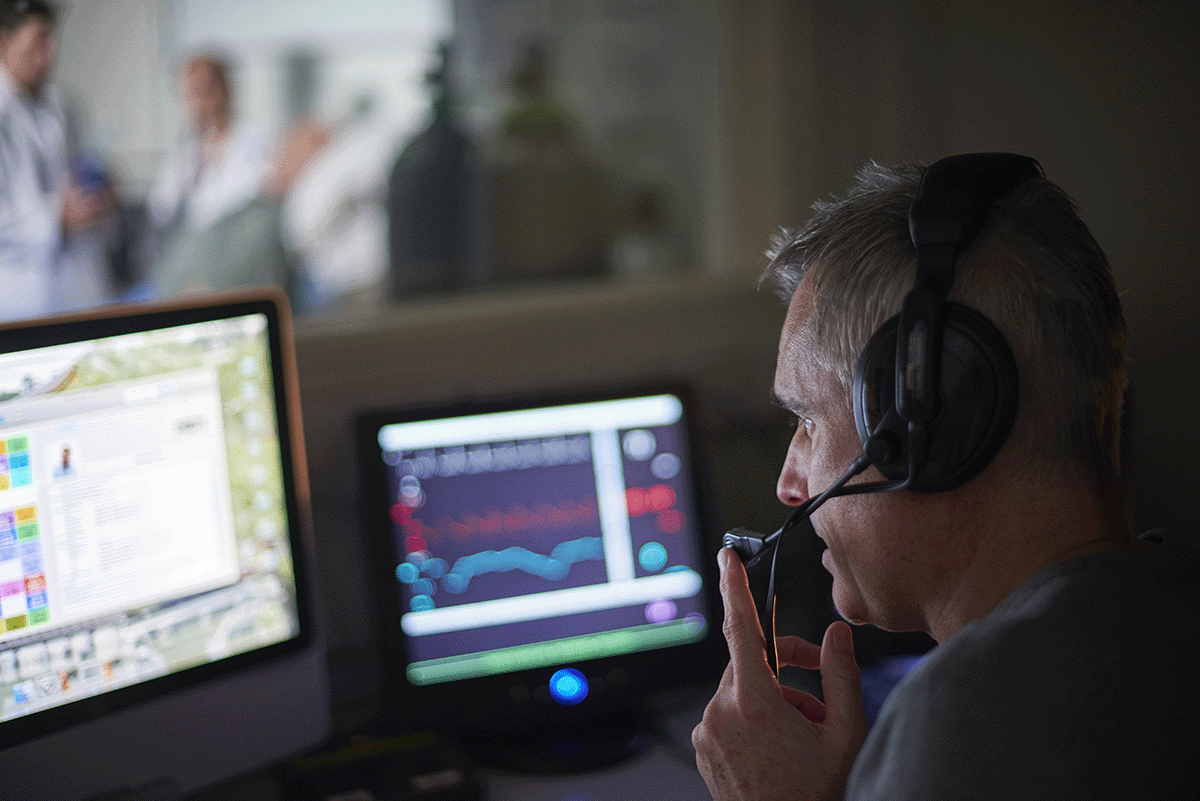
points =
(792, 487)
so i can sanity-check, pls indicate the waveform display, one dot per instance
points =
(517, 519)
(554, 567)
(511, 539)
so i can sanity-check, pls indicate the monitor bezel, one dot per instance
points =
(482, 706)
(131, 319)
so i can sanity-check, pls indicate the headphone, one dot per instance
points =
(938, 381)
(935, 389)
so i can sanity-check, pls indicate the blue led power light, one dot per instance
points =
(568, 686)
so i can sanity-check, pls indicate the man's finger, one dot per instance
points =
(804, 702)
(841, 681)
(742, 630)
(798, 652)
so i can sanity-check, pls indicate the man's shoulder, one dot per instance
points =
(1068, 691)
(1081, 629)
(1078, 635)
(1101, 593)
(985, 660)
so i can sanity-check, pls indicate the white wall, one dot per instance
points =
(109, 65)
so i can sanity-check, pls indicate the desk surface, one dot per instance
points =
(656, 774)
(666, 772)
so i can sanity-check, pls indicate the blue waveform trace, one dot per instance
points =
(553, 567)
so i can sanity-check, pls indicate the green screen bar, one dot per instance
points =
(569, 649)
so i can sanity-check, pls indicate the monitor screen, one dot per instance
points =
(538, 556)
(150, 527)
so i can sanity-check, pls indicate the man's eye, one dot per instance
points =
(795, 421)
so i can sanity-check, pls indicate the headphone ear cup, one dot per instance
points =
(875, 396)
(977, 401)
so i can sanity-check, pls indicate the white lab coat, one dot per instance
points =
(41, 269)
(184, 195)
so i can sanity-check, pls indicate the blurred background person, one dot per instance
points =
(54, 205)
(212, 228)
(334, 217)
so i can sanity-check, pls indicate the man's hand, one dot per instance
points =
(763, 740)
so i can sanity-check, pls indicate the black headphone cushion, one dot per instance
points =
(976, 406)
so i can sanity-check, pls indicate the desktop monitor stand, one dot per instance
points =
(593, 743)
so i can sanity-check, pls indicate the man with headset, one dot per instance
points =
(981, 429)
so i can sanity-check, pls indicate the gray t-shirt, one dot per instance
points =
(1083, 684)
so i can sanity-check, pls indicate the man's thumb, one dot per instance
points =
(841, 680)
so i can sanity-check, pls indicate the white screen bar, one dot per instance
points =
(655, 410)
(556, 603)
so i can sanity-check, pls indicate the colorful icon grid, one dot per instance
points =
(15, 470)
(22, 573)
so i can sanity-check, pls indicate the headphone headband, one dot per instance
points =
(952, 205)
(950, 209)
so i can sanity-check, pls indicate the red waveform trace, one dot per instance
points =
(649, 500)
(656, 500)
(518, 519)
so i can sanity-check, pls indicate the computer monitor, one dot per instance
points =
(157, 622)
(542, 567)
